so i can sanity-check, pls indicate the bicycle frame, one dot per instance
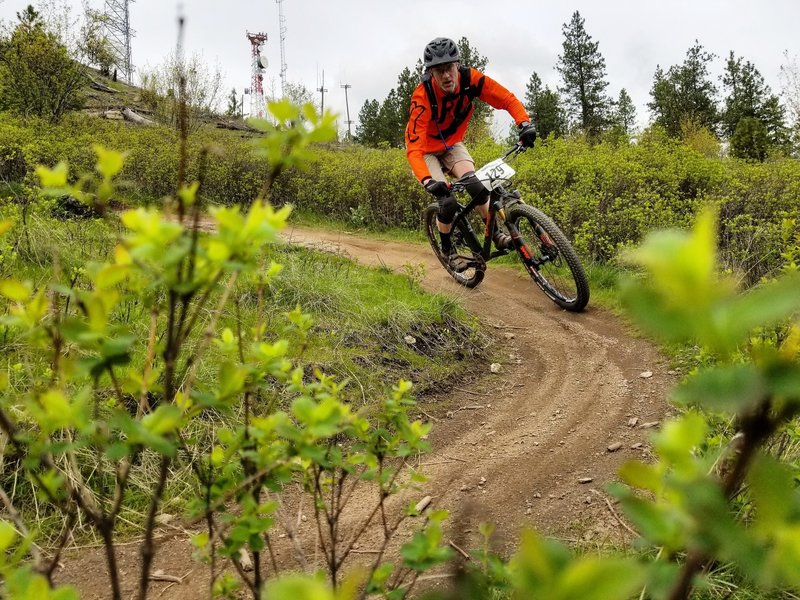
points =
(499, 200)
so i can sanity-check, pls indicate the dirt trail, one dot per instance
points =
(569, 387)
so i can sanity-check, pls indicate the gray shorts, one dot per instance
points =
(440, 162)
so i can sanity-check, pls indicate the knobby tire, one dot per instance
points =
(551, 261)
(474, 274)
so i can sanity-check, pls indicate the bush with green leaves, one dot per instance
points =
(100, 406)
(37, 75)
(605, 196)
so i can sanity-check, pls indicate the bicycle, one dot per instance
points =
(542, 247)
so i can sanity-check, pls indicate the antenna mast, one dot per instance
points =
(118, 27)
(322, 89)
(282, 30)
(346, 87)
(258, 64)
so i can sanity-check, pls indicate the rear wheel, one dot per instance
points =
(475, 265)
(549, 258)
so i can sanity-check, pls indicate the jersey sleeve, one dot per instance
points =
(416, 132)
(496, 96)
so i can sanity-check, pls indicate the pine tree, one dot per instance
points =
(624, 113)
(407, 82)
(750, 139)
(747, 93)
(391, 125)
(368, 130)
(685, 93)
(233, 104)
(750, 97)
(544, 107)
(479, 125)
(583, 70)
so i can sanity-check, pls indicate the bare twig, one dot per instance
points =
(454, 458)
(614, 513)
(148, 548)
(434, 419)
(471, 393)
(144, 405)
(459, 550)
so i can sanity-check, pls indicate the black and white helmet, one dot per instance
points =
(439, 52)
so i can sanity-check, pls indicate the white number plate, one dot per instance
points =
(494, 174)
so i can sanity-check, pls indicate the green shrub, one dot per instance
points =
(605, 197)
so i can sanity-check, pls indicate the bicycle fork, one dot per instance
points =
(521, 246)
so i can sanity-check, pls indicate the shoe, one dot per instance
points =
(456, 262)
(502, 241)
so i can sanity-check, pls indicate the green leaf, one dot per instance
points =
(678, 439)
(380, 577)
(783, 381)
(594, 579)
(188, 193)
(654, 524)
(109, 162)
(284, 111)
(773, 492)
(728, 388)
(53, 178)
(165, 419)
(763, 306)
(14, 290)
(5, 226)
(7, 535)
(298, 587)
(642, 476)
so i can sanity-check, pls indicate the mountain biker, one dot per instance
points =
(441, 107)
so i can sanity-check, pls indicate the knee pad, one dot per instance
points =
(447, 209)
(475, 188)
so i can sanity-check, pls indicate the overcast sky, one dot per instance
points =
(366, 43)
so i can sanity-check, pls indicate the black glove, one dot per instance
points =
(527, 134)
(438, 188)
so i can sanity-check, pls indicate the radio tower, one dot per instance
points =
(282, 31)
(118, 27)
(257, 106)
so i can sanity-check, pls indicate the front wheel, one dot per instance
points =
(473, 274)
(549, 258)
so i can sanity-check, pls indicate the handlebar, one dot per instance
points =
(518, 148)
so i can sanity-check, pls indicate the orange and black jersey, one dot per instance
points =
(428, 133)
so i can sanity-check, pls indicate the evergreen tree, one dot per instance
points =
(624, 113)
(685, 93)
(750, 97)
(750, 140)
(479, 125)
(583, 70)
(391, 125)
(368, 130)
(775, 120)
(545, 109)
(232, 109)
(407, 82)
